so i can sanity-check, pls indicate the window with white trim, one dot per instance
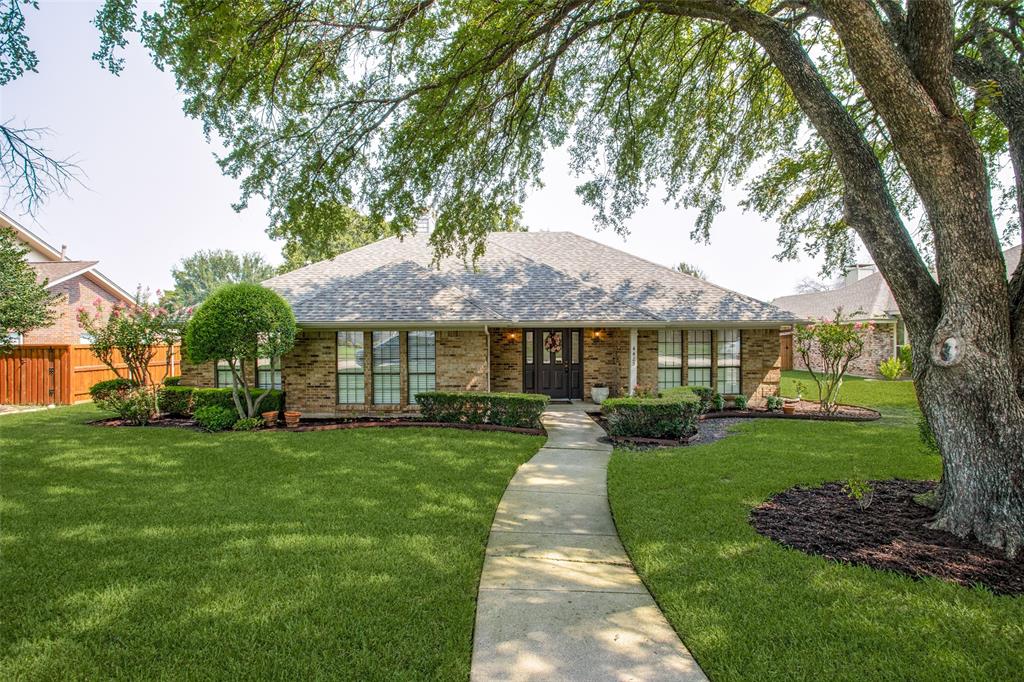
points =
(351, 381)
(729, 361)
(698, 357)
(420, 351)
(670, 358)
(387, 368)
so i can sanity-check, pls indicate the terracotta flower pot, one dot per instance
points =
(292, 418)
(269, 418)
(788, 408)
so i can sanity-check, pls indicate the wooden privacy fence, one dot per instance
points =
(62, 375)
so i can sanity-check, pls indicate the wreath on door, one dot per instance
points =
(553, 342)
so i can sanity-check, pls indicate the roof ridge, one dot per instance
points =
(592, 285)
(671, 270)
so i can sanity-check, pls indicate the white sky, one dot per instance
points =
(153, 192)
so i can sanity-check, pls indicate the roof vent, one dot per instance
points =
(425, 223)
(857, 272)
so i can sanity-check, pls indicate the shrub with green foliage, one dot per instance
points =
(172, 381)
(773, 403)
(740, 402)
(216, 417)
(100, 390)
(892, 368)
(223, 397)
(906, 356)
(240, 323)
(670, 417)
(247, 424)
(133, 403)
(521, 410)
(175, 400)
(718, 402)
(704, 394)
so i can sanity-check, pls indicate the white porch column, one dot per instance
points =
(632, 361)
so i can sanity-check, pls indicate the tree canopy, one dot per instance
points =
(25, 304)
(201, 273)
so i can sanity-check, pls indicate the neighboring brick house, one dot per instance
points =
(863, 297)
(78, 282)
(544, 312)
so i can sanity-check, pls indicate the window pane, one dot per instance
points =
(422, 362)
(728, 379)
(350, 352)
(698, 348)
(351, 355)
(698, 376)
(268, 373)
(670, 358)
(387, 360)
(575, 348)
(223, 374)
(351, 389)
(529, 348)
(729, 348)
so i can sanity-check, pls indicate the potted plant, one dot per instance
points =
(291, 418)
(269, 418)
(789, 407)
(599, 393)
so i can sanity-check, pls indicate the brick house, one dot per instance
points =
(78, 282)
(864, 296)
(544, 312)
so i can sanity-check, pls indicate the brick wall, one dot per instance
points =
(606, 359)
(76, 292)
(878, 346)
(461, 360)
(507, 360)
(760, 364)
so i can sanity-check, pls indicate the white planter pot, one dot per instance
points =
(598, 394)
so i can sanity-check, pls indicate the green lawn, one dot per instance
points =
(163, 553)
(750, 609)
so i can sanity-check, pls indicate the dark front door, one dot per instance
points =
(552, 362)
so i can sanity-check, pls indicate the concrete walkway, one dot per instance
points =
(559, 599)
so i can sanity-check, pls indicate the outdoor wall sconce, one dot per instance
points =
(513, 336)
(599, 335)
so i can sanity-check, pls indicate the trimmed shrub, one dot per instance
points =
(773, 403)
(175, 400)
(718, 402)
(704, 394)
(100, 390)
(906, 356)
(216, 417)
(671, 417)
(521, 410)
(740, 402)
(221, 397)
(247, 424)
(172, 381)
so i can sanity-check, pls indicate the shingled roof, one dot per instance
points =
(523, 277)
(866, 299)
(54, 272)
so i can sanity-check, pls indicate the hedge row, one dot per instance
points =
(471, 407)
(672, 417)
(186, 400)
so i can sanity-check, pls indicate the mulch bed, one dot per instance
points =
(805, 409)
(889, 534)
(333, 424)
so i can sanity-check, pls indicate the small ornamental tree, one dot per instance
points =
(240, 323)
(25, 304)
(137, 331)
(836, 343)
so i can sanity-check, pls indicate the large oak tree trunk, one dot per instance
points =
(978, 421)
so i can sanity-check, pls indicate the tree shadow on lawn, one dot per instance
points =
(750, 609)
(351, 554)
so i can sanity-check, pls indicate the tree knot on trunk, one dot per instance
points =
(947, 347)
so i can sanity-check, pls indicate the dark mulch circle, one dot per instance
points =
(889, 534)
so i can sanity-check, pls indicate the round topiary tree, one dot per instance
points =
(240, 323)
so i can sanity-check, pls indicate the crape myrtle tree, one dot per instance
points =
(240, 323)
(846, 115)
